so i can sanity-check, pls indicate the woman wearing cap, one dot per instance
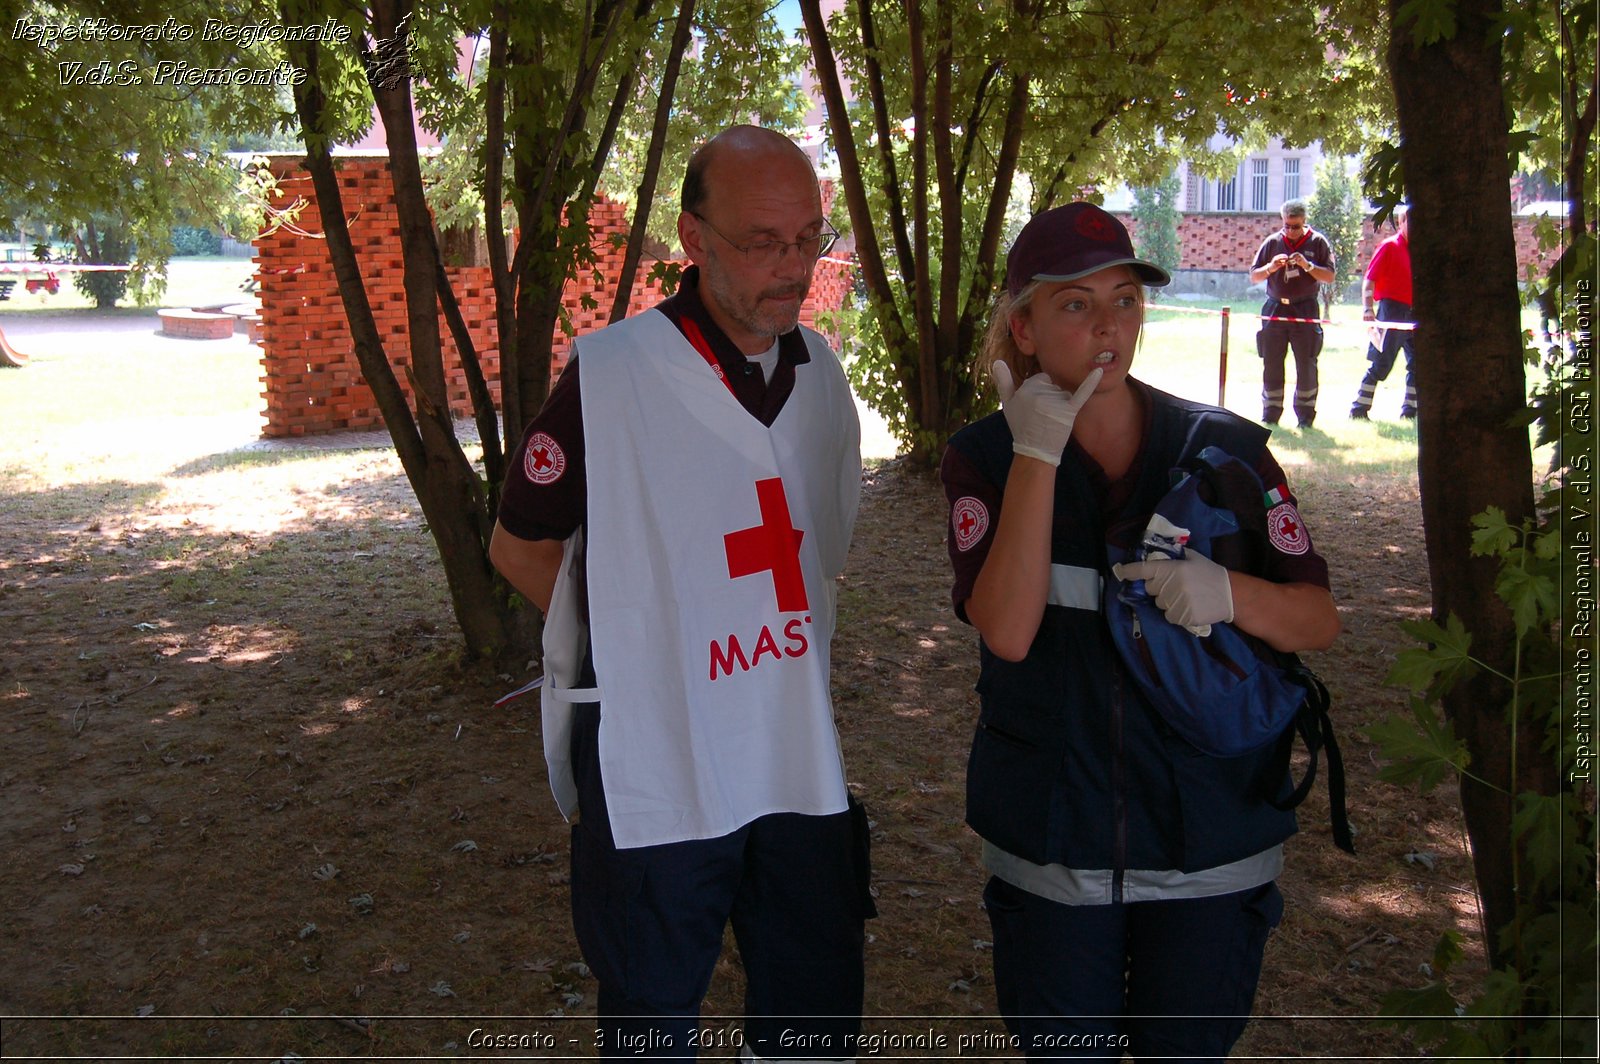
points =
(1132, 885)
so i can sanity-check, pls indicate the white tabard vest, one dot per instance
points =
(713, 544)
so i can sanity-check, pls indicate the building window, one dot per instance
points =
(1291, 179)
(1258, 184)
(1228, 194)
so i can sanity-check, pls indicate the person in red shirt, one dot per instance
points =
(1388, 285)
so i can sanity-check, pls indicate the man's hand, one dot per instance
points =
(1040, 413)
(1193, 591)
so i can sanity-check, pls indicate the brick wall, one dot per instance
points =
(313, 382)
(1229, 241)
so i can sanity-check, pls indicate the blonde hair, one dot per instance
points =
(998, 343)
(1000, 346)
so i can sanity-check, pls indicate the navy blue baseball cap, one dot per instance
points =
(1065, 243)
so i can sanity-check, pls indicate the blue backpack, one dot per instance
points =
(1227, 693)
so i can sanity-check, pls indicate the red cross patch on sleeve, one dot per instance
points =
(969, 520)
(1286, 530)
(543, 462)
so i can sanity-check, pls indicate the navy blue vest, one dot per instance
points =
(1070, 765)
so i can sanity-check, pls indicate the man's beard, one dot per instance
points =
(748, 313)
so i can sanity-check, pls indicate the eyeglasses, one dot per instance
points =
(1293, 227)
(766, 253)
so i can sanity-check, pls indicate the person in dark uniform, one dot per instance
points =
(1294, 262)
(1132, 883)
(657, 505)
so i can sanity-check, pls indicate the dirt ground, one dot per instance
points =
(253, 805)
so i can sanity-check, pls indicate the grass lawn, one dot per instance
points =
(1180, 353)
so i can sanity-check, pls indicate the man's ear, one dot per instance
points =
(691, 238)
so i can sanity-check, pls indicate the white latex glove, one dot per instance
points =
(1040, 413)
(1193, 591)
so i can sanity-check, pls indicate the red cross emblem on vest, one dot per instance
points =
(772, 546)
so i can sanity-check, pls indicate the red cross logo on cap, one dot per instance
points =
(1096, 225)
(772, 546)
(543, 461)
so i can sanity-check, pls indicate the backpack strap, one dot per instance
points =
(1314, 725)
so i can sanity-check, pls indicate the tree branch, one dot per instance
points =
(878, 98)
(868, 252)
(494, 226)
(644, 198)
(951, 206)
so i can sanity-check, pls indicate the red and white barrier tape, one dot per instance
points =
(58, 267)
(1301, 321)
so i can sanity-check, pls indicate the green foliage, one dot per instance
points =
(740, 68)
(93, 128)
(1337, 212)
(1435, 667)
(102, 241)
(190, 240)
(1432, 20)
(1155, 208)
(1111, 93)
(1423, 750)
(1550, 60)
(1519, 1009)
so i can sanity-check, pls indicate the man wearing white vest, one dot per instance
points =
(679, 510)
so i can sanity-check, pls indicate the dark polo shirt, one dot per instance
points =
(1302, 287)
(534, 506)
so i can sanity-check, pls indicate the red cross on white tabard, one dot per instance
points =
(773, 545)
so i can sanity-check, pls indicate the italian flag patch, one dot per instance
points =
(1277, 495)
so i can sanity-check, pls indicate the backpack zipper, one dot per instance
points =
(1222, 659)
(1145, 656)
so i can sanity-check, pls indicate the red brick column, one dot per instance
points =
(313, 382)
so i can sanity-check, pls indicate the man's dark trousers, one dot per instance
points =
(1394, 340)
(650, 923)
(1273, 342)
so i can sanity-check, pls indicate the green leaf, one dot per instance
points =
(1433, 1000)
(1447, 951)
(1493, 535)
(1414, 669)
(1550, 832)
(1530, 596)
(1437, 667)
(1422, 750)
(1430, 21)
(1502, 995)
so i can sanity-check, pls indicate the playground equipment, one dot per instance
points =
(10, 356)
(45, 276)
